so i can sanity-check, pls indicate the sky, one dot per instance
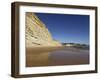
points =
(67, 28)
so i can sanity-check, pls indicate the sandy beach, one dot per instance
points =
(54, 56)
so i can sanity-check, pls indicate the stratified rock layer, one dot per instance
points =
(36, 33)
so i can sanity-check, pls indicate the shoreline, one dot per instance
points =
(53, 56)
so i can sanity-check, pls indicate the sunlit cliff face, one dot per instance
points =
(36, 33)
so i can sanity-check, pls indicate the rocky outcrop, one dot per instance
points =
(36, 33)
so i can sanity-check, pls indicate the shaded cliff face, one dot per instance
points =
(36, 33)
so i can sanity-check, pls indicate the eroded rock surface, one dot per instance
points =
(36, 33)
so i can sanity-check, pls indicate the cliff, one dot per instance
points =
(36, 33)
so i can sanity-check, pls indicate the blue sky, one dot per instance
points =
(67, 28)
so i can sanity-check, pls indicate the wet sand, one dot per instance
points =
(53, 56)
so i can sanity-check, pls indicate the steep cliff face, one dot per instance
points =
(36, 33)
